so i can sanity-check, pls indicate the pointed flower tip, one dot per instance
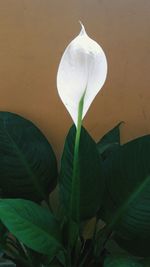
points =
(82, 28)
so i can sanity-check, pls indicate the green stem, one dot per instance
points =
(74, 201)
(75, 177)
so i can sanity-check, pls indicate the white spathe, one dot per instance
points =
(82, 69)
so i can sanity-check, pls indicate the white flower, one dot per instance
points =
(82, 69)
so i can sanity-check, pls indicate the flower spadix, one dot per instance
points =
(82, 72)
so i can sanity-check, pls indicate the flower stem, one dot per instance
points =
(75, 187)
(75, 177)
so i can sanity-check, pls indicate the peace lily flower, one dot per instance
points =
(82, 72)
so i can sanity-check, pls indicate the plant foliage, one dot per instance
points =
(28, 167)
(111, 199)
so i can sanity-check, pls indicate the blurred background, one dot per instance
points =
(33, 36)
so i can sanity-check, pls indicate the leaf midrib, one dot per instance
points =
(29, 223)
(25, 164)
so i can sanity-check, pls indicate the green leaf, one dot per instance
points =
(121, 261)
(128, 190)
(109, 142)
(33, 225)
(91, 179)
(28, 167)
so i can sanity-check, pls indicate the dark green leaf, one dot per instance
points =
(121, 261)
(91, 178)
(33, 225)
(109, 142)
(28, 167)
(128, 191)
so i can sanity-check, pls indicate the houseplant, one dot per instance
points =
(103, 216)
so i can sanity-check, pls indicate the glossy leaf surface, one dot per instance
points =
(33, 225)
(28, 167)
(91, 180)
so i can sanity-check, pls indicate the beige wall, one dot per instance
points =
(33, 35)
